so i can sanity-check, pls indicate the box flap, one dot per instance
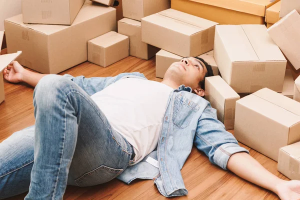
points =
(288, 84)
(293, 150)
(131, 22)
(272, 13)
(263, 45)
(222, 87)
(6, 59)
(254, 7)
(281, 101)
(236, 43)
(1, 39)
(180, 22)
(108, 39)
(164, 53)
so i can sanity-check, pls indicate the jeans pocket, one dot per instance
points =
(101, 174)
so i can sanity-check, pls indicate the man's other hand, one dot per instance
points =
(14, 72)
(289, 190)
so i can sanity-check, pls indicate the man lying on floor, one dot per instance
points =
(89, 131)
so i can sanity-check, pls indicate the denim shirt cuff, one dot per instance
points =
(223, 153)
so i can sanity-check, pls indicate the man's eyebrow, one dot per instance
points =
(199, 62)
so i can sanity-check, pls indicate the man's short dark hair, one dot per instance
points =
(208, 73)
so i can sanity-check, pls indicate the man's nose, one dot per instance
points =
(185, 61)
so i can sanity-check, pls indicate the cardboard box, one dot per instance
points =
(105, 2)
(133, 29)
(54, 48)
(8, 9)
(289, 5)
(267, 121)
(137, 9)
(164, 59)
(226, 12)
(193, 35)
(51, 12)
(248, 59)
(223, 98)
(297, 89)
(272, 14)
(289, 161)
(288, 84)
(5, 60)
(108, 48)
(286, 34)
(119, 9)
(269, 25)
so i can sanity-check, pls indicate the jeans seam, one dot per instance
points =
(16, 169)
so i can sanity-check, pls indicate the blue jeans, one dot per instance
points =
(71, 143)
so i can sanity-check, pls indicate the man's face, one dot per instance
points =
(188, 71)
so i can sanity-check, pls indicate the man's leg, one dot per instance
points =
(66, 116)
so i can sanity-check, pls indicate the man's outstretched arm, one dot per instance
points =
(246, 167)
(16, 73)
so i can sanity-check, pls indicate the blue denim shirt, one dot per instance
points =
(189, 119)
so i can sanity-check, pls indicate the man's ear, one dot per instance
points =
(200, 92)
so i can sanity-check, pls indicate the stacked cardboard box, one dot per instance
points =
(46, 48)
(267, 121)
(272, 14)
(297, 89)
(248, 59)
(226, 12)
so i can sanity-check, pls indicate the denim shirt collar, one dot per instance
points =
(183, 88)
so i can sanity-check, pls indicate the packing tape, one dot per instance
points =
(46, 14)
(25, 35)
(204, 37)
(259, 67)
(294, 166)
(228, 114)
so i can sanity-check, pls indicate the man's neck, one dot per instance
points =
(170, 84)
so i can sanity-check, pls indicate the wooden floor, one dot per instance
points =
(202, 179)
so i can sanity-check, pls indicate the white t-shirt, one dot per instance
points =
(135, 108)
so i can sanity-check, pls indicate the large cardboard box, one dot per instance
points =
(289, 5)
(137, 9)
(223, 98)
(105, 2)
(5, 60)
(108, 48)
(51, 11)
(133, 29)
(297, 89)
(248, 59)
(289, 161)
(164, 59)
(54, 48)
(9, 8)
(272, 14)
(193, 35)
(226, 12)
(267, 121)
(286, 34)
(288, 84)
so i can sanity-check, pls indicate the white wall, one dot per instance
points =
(8, 8)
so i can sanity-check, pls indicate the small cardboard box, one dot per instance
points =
(105, 2)
(108, 48)
(267, 121)
(289, 161)
(288, 84)
(164, 59)
(193, 35)
(248, 59)
(289, 5)
(226, 12)
(51, 12)
(5, 60)
(133, 29)
(297, 89)
(272, 14)
(286, 34)
(137, 9)
(55, 48)
(223, 98)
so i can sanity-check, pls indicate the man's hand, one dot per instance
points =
(14, 72)
(289, 190)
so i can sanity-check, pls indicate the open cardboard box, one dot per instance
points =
(5, 60)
